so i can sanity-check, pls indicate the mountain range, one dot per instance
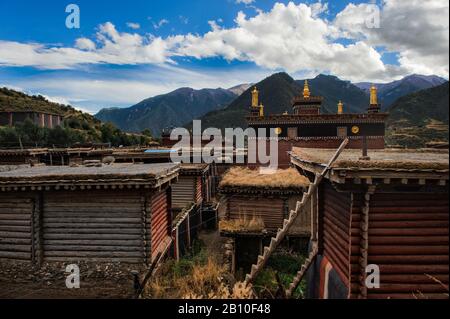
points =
(419, 119)
(228, 107)
(168, 110)
(388, 93)
(78, 127)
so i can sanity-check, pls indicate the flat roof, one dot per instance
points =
(281, 179)
(193, 169)
(131, 174)
(405, 163)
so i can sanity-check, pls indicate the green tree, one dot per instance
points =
(59, 137)
(9, 137)
(32, 134)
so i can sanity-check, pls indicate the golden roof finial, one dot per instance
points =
(255, 97)
(373, 95)
(306, 93)
(340, 107)
(261, 110)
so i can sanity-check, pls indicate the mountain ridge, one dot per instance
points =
(167, 110)
(388, 93)
(420, 118)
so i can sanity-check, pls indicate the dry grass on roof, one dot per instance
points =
(409, 159)
(245, 177)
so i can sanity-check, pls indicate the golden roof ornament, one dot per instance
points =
(373, 95)
(306, 93)
(261, 110)
(255, 97)
(340, 107)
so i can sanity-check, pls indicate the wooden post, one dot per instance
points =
(177, 244)
(188, 229)
(144, 229)
(50, 120)
(364, 243)
(37, 230)
(314, 216)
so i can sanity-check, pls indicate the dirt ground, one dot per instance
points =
(19, 280)
(213, 243)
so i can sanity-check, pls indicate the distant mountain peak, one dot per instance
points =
(388, 93)
(166, 110)
(240, 88)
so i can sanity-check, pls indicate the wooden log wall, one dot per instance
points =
(183, 192)
(271, 210)
(408, 239)
(16, 237)
(93, 225)
(160, 220)
(198, 190)
(334, 229)
(122, 225)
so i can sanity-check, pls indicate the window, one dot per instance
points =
(292, 132)
(342, 131)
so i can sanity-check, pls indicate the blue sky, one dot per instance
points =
(125, 51)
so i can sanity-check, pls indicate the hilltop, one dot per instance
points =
(78, 127)
(420, 118)
(167, 110)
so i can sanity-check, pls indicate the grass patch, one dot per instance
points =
(195, 276)
(242, 224)
(286, 265)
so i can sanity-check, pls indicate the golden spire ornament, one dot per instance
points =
(255, 97)
(261, 110)
(306, 93)
(373, 95)
(340, 107)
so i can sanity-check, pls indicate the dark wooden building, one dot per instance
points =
(193, 204)
(48, 120)
(109, 213)
(52, 156)
(308, 127)
(255, 206)
(390, 211)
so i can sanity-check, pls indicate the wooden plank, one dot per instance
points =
(63, 236)
(111, 230)
(91, 248)
(96, 254)
(94, 242)
(15, 247)
(15, 255)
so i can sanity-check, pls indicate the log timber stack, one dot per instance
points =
(389, 210)
(109, 213)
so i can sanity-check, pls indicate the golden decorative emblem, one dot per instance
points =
(355, 129)
(278, 130)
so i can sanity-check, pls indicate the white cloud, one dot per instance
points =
(418, 30)
(112, 47)
(133, 25)
(288, 37)
(160, 23)
(318, 8)
(128, 87)
(85, 44)
(245, 1)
